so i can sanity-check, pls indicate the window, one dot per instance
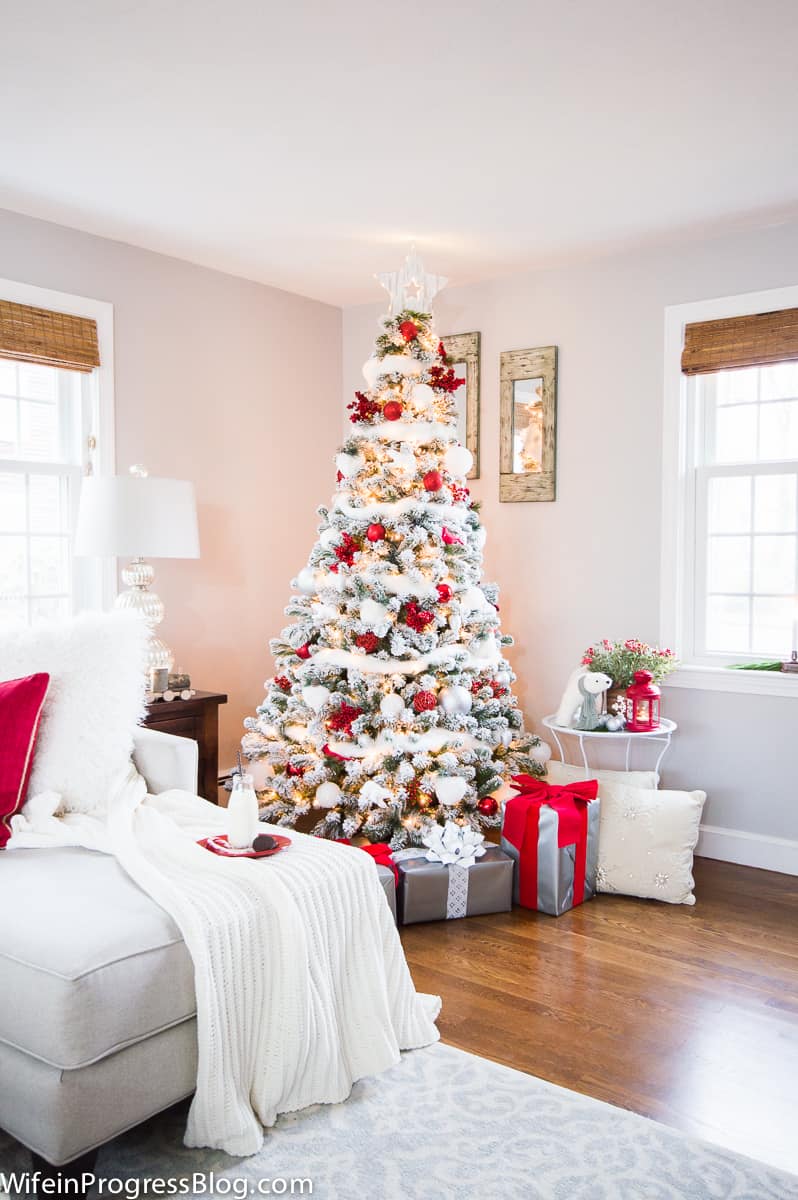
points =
(53, 428)
(730, 503)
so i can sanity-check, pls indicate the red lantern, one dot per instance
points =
(642, 704)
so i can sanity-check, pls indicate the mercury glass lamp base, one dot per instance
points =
(137, 597)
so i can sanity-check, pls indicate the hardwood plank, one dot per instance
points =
(686, 1015)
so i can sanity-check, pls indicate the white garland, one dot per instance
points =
(367, 664)
(398, 508)
(407, 431)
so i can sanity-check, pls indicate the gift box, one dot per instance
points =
(389, 887)
(431, 891)
(386, 868)
(552, 834)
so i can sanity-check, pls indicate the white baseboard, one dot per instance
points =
(748, 849)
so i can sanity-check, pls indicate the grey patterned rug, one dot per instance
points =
(445, 1125)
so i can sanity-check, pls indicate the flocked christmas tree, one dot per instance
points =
(391, 704)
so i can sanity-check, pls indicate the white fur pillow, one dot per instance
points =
(559, 773)
(646, 842)
(96, 699)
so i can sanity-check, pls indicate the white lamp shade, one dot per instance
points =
(137, 517)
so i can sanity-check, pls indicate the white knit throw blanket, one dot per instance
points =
(302, 984)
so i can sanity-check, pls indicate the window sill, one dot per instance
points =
(725, 679)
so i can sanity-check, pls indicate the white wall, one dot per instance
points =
(230, 384)
(588, 565)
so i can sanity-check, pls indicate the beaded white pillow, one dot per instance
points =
(646, 842)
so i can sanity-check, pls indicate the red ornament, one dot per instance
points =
(444, 592)
(441, 351)
(497, 688)
(292, 770)
(449, 539)
(460, 494)
(334, 568)
(304, 651)
(433, 481)
(283, 682)
(445, 379)
(424, 701)
(392, 410)
(642, 703)
(409, 330)
(338, 477)
(362, 409)
(375, 533)
(331, 754)
(347, 549)
(488, 806)
(476, 686)
(367, 641)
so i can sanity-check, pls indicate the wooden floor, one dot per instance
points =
(687, 1015)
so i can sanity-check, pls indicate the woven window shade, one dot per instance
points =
(740, 342)
(39, 336)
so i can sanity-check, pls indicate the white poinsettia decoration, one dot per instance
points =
(373, 794)
(452, 844)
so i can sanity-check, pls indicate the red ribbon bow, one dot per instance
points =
(380, 852)
(522, 821)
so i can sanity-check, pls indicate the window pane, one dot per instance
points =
(38, 431)
(13, 565)
(730, 504)
(735, 433)
(737, 387)
(727, 623)
(779, 381)
(49, 569)
(37, 382)
(49, 608)
(12, 502)
(775, 503)
(8, 427)
(778, 430)
(13, 609)
(773, 618)
(729, 564)
(8, 377)
(774, 564)
(47, 498)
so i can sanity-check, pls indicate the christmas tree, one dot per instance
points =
(391, 705)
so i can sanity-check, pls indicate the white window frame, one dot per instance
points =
(94, 581)
(677, 583)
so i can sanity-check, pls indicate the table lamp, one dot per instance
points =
(138, 516)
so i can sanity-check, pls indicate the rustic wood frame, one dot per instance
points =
(465, 348)
(528, 364)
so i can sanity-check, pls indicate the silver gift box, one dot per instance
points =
(424, 887)
(556, 863)
(389, 886)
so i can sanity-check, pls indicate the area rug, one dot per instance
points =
(446, 1125)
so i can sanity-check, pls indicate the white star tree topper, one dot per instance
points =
(411, 286)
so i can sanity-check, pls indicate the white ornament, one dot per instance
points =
(403, 460)
(392, 706)
(453, 844)
(316, 697)
(455, 699)
(296, 733)
(541, 753)
(306, 581)
(450, 789)
(458, 460)
(506, 737)
(374, 795)
(371, 371)
(614, 724)
(484, 647)
(328, 537)
(473, 599)
(422, 396)
(372, 613)
(327, 795)
(349, 464)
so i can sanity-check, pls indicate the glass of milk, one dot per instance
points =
(242, 813)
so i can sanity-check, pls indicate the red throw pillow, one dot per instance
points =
(21, 704)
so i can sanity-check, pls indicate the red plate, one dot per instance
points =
(220, 845)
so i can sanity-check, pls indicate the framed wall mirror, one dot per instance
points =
(528, 422)
(463, 350)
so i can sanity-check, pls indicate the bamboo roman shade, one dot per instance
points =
(39, 336)
(751, 341)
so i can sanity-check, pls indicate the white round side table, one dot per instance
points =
(661, 735)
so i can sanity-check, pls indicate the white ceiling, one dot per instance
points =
(304, 143)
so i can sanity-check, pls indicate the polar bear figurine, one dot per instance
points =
(581, 699)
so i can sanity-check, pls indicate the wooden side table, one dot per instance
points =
(197, 718)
